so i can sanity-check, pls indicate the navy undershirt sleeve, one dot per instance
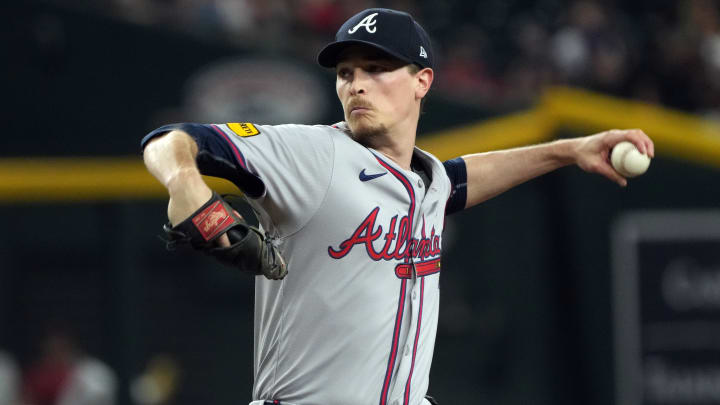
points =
(215, 156)
(457, 172)
(204, 135)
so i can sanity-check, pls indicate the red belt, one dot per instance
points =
(404, 270)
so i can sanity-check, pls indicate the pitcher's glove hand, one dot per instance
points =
(250, 249)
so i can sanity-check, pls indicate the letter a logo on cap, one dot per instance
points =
(368, 22)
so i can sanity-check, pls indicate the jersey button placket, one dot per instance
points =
(413, 310)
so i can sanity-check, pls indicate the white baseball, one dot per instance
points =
(628, 160)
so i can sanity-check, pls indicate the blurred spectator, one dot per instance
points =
(529, 70)
(320, 16)
(593, 49)
(9, 380)
(464, 74)
(63, 375)
(158, 383)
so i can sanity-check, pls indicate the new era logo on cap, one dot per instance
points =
(394, 32)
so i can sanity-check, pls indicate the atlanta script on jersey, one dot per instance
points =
(354, 321)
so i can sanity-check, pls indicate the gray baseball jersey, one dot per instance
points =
(354, 321)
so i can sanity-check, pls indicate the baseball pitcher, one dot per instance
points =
(347, 256)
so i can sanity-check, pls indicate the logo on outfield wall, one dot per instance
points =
(228, 89)
(243, 128)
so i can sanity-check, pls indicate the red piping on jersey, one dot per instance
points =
(417, 338)
(401, 299)
(396, 337)
(238, 155)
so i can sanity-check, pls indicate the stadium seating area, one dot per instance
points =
(494, 53)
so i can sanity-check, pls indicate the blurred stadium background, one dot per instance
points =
(527, 313)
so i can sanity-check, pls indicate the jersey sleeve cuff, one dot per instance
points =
(457, 172)
(217, 156)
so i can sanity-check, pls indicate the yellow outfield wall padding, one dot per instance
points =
(675, 134)
(500, 133)
(77, 179)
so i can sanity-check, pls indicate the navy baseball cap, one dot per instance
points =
(394, 32)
